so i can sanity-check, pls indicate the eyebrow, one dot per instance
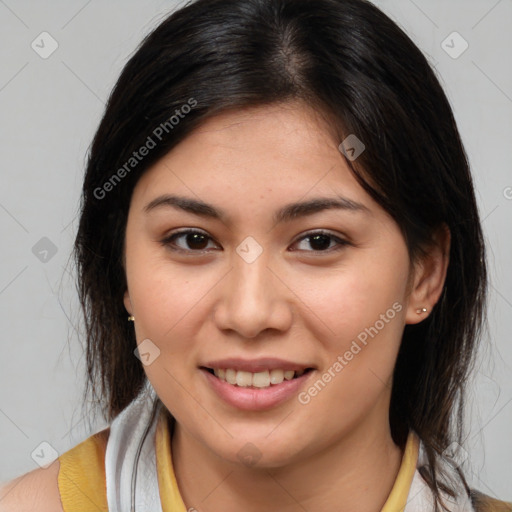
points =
(285, 214)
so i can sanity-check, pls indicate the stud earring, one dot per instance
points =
(131, 318)
(421, 310)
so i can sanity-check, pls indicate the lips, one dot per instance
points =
(255, 384)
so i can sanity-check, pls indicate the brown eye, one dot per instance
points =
(196, 241)
(191, 241)
(320, 241)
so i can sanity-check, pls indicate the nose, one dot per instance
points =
(253, 299)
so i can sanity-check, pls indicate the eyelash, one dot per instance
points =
(169, 241)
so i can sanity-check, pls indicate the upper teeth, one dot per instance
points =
(259, 379)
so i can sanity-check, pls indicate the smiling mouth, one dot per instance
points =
(257, 380)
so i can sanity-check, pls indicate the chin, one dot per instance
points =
(257, 451)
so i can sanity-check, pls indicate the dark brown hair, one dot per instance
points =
(356, 67)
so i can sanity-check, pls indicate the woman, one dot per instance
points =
(282, 271)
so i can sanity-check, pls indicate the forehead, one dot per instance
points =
(283, 152)
(287, 127)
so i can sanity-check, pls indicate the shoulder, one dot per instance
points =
(483, 503)
(37, 490)
(62, 482)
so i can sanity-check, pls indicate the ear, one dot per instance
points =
(128, 302)
(429, 275)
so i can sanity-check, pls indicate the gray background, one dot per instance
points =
(49, 111)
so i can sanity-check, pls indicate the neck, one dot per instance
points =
(356, 474)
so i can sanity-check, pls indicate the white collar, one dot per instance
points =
(130, 458)
(421, 497)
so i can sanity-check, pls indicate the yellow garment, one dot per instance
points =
(397, 498)
(82, 484)
(170, 496)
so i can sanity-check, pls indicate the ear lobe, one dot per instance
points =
(127, 302)
(429, 276)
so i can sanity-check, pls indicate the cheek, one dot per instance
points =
(165, 293)
(168, 300)
(343, 304)
(359, 315)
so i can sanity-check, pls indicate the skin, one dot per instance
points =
(35, 491)
(336, 452)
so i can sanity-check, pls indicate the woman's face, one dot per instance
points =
(269, 285)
